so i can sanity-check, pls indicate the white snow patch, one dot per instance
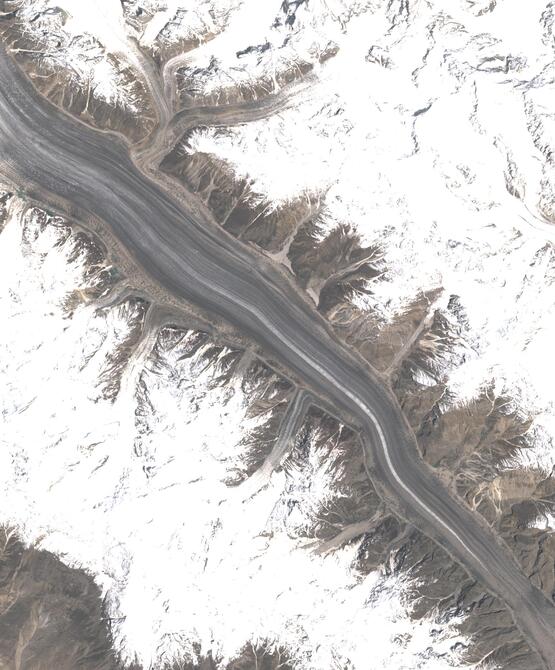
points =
(170, 21)
(259, 43)
(182, 558)
(422, 149)
(102, 19)
(79, 37)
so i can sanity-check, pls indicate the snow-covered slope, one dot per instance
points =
(430, 133)
(134, 485)
(408, 185)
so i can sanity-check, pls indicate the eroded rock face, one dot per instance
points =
(45, 236)
(319, 500)
(252, 657)
(293, 46)
(233, 204)
(441, 589)
(472, 444)
(326, 449)
(169, 29)
(192, 83)
(5, 198)
(77, 72)
(51, 616)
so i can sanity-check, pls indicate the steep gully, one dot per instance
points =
(45, 151)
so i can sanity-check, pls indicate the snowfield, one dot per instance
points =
(133, 489)
(430, 133)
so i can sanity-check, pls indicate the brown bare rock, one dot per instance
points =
(252, 657)
(132, 312)
(191, 82)
(78, 246)
(44, 54)
(232, 203)
(51, 616)
(332, 266)
(163, 48)
(5, 198)
(175, 37)
(209, 179)
(441, 589)
(474, 445)
(418, 381)
(388, 344)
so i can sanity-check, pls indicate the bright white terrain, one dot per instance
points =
(431, 132)
(140, 501)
